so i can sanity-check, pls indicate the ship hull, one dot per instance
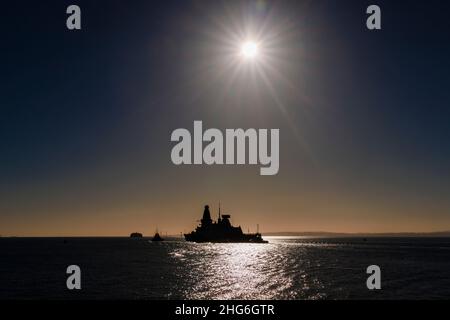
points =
(244, 238)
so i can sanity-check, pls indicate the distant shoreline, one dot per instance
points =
(368, 235)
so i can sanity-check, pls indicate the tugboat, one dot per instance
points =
(157, 237)
(221, 231)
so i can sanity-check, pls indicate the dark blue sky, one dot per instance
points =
(86, 115)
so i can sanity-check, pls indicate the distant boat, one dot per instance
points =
(157, 237)
(136, 235)
(221, 231)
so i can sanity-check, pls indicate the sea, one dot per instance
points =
(287, 268)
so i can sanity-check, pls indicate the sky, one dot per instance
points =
(86, 116)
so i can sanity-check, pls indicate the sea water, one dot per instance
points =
(285, 268)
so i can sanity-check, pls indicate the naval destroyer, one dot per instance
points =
(220, 231)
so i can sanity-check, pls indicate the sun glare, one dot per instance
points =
(249, 49)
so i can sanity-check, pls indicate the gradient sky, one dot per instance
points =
(86, 116)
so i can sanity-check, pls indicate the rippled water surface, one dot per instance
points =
(286, 268)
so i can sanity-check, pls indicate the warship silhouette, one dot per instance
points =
(220, 231)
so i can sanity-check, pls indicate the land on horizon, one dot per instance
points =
(352, 234)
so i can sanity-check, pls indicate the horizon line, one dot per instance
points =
(446, 233)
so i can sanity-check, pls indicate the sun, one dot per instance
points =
(249, 49)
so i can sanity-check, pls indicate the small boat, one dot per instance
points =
(157, 237)
(136, 235)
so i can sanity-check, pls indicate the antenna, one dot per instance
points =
(257, 228)
(219, 210)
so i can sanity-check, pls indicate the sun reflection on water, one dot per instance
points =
(244, 271)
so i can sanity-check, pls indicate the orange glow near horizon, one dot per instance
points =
(250, 200)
